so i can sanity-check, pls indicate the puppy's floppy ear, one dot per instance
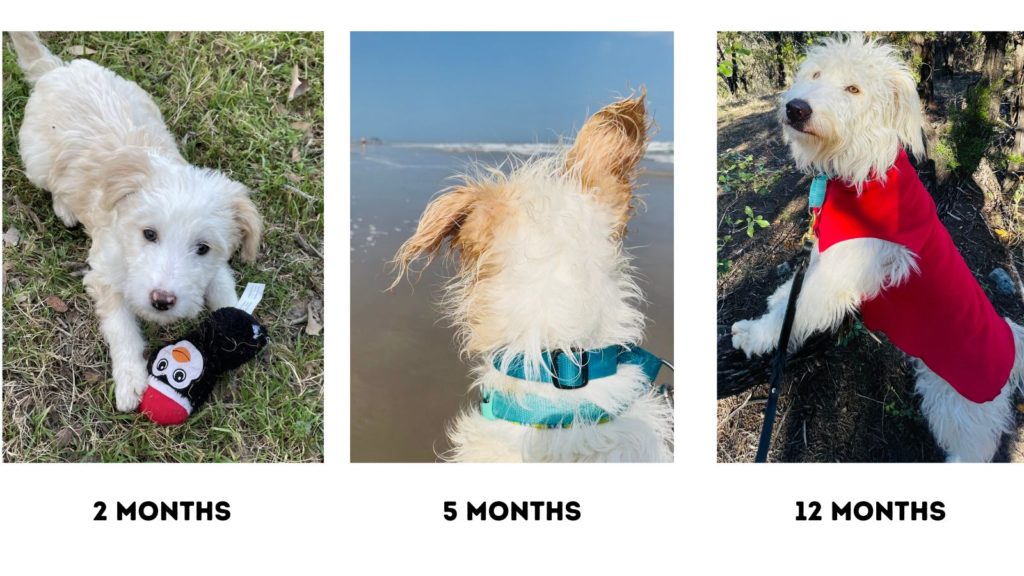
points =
(249, 222)
(608, 149)
(443, 218)
(120, 173)
(905, 112)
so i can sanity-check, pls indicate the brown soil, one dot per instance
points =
(850, 401)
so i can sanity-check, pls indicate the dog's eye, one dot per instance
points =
(853, 89)
(202, 249)
(816, 75)
(149, 234)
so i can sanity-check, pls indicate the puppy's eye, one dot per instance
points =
(816, 75)
(149, 234)
(853, 89)
(202, 249)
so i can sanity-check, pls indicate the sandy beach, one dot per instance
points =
(407, 378)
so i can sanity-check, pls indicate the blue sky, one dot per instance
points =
(501, 87)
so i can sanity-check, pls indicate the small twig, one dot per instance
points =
(736, 410)
(31, 214)
(305, 245)
(295, 190)
(1013, 271)
(859, 395)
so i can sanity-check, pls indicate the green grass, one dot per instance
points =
(224, 97)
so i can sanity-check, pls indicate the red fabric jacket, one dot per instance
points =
(940, 315)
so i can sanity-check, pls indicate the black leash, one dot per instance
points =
(779, 363)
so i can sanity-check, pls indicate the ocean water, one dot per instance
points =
(408, 380)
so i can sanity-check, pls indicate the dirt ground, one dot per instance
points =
(852, 399)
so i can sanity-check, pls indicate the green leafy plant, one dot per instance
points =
(856, 331)
(754, 221)
(944, 151)
(1018, 195)
(724, 264)
(739, 173)
(971, 131)
(897, 410)
(736, 50)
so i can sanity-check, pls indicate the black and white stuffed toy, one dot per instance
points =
(182, 374)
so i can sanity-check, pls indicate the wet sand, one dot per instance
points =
(408, 381)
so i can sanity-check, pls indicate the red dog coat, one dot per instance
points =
(940, 315)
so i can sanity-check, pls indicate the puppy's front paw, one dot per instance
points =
(129, 385)
(752, 337)
(65, 214)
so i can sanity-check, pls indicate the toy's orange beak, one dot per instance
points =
(181, 354)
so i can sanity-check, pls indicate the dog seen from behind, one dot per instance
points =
(546, 305)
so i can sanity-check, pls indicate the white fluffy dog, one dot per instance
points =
(162, 230)
(851, 115)
(542, 276)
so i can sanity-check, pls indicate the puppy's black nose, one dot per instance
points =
(162, 300)
(798, 111)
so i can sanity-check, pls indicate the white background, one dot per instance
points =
(694, 516)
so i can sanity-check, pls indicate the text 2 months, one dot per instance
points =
(163, 511)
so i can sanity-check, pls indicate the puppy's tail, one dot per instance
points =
(34, 58)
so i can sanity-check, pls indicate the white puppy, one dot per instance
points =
(543, 276)
(162, 230)
(850, 116)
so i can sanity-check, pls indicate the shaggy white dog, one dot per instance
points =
(542, 271)
(851, 115)
(162, 230)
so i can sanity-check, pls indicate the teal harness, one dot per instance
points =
(566, 371)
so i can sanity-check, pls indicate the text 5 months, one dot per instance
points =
(527, 510)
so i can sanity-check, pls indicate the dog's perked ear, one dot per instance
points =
(442, 219)
(608, 150)
(250, 224)
(905, 111)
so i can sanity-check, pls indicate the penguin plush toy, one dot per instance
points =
(182, 373)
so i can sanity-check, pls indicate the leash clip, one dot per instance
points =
(584, 370)
(810, 236)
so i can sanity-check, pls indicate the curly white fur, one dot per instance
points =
(542, 267)
(98, 144)
(865, 106)
(855, 134)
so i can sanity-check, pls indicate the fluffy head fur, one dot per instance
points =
(863, 106)
(110, 164)
(186, 207)
(541, 263)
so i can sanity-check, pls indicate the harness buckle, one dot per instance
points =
(584, 369)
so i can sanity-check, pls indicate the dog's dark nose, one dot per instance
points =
(162, 299)
(798, 111)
